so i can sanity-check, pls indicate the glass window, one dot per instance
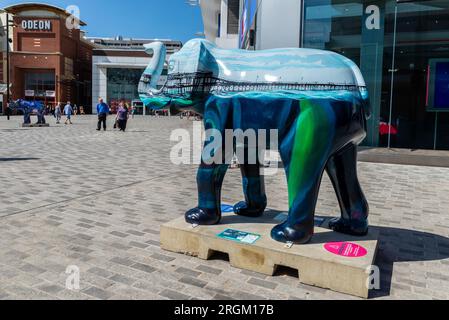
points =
(122, 85)
(394, 44)
(233, 16)
(422, 36)
(40, 83)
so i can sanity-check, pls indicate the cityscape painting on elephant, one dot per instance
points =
(316, 100)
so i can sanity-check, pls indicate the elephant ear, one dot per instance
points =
(195, 57)
(206, 60)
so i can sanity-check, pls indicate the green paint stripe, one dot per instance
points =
(312, 139)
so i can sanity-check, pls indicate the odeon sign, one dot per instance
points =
(40, 25)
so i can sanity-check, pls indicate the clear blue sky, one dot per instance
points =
(163, 19)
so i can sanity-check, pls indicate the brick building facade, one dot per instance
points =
(1, 67)
(49, 62)
(3, 44)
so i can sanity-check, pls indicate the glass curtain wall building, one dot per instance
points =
(122, 85)
(402, 48)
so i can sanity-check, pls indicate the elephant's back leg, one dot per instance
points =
(305, 151)
(342, 170)
(254, 190)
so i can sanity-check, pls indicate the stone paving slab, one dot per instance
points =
(432, 158)
(72, 196)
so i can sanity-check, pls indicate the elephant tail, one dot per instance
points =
(366, 103)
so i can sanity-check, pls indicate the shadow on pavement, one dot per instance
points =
(17, 159)
(395, 245)
(401, 245)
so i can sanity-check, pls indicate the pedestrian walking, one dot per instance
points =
(8, 111)
(68, 111)
(122, 116)
(102, 111)
(133, 111)
(58, 113)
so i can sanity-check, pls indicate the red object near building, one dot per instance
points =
(385, 129)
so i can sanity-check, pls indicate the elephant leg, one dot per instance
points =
(342, 170)
(305, 152)
(254, 190)
(209, 180)
(212, 170)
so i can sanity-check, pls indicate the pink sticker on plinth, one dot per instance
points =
(346, 249)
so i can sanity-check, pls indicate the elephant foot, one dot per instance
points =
(350, 227)
(242, 209)
(203, 217)
(292, 233)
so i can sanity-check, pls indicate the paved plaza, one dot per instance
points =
(72, 196)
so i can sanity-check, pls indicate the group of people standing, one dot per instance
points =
(103, 110)
(121, 119)
(51, 109)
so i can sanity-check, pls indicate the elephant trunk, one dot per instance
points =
(149, 80)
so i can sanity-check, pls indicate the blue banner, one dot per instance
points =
(442, 86)
(438, 85)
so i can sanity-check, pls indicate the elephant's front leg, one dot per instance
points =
(214, 164)
(27, 118)
(254, 191)
(209, 181)
(305, 152)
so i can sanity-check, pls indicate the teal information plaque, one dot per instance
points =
(239, 236)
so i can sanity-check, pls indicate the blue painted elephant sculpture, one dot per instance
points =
(27, 108)
(316, 100)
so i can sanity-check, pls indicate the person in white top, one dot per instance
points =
(58, 112)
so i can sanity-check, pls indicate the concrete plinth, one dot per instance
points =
(331, 260)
